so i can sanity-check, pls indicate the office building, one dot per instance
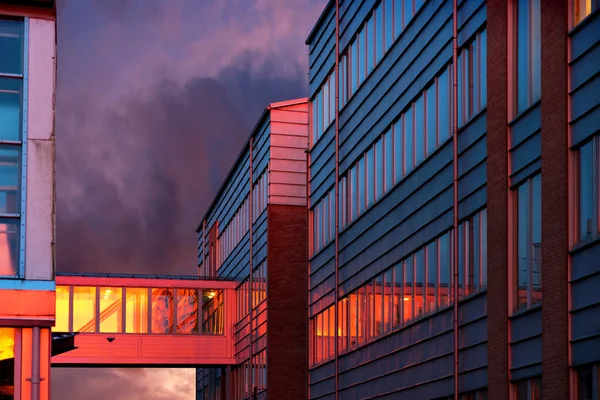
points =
(27, 288)
(254, 232)
(453, 191)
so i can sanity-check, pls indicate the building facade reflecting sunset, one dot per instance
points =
(27, 289)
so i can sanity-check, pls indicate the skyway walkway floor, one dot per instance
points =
(145, 321)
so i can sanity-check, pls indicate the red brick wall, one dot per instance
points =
(554, 200)
(497, 189)
(287, 333)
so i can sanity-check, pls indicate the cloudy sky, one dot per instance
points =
(155, 99)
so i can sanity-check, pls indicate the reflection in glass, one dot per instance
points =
(212, 312)
(136, 310)
(187, 311)
(586, 191)
(7, 364)
(10, 162)
(111, 309)
(162, 310)
(9, 247)
(84, 307)
(10, 108)
(62, 309)
(11, 46)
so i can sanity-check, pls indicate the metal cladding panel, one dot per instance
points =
(352, 16)
(260, 151)
(147, 350)
(525, 125)
(415, 358)
(287, 165)
(414, 212)
(322, 50)
(417, 57)
(473, 342)
(471, 17)
(322, 265)
(526, 344)
(322, 164)
(585, 305)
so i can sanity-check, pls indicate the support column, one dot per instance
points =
(555, 309)
(497, 189)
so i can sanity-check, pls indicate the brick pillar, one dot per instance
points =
(554, 28)
(497, 189)
(287, 321)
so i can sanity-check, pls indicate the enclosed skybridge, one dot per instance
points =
(145, 321)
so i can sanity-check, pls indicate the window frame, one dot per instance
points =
(22, 143)
(594, 167)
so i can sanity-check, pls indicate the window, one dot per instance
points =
(476, 395)
(323, 220)
(259, 196)
(527, 45)
(415, 286)
(587, 179)
(11, 110)
(588, 381)
(472, 78)
(530, 389)
(7, 368)
(323, 335)
(234, 231)
(374, 38)
(323, 108)
(472, 254)
(416, 134)
(583, 8)
(528, 246)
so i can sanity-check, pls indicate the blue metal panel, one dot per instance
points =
(526, 345)
(585, 36)
(352, 18)
(474, 379)
(471, 17)
(525, 172)
(22, 284)
(585, 323)
(585, 292)
(24, 141)
(585, 262)
(585, 126)
(474, 202)
(473, 342)
(585, 67)
(472, 131)
(322, 50)
(322, 372)
(322, 265)
(323, 390)
(472, 181)
(586, 351)
(585, 98)
(237, 262)
(472, 157)
(526, 152)
(323, 296)
(398, 79)
(526, 125)
(261, 152)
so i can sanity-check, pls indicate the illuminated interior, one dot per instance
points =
(138, 310)
(7, 354)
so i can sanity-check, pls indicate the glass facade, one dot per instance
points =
(587, 181)
(527, 52)
(528, 242)
(11, 117)
(583, 8)
(139, 310)
(234, 231)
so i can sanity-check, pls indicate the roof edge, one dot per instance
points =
(317, 25)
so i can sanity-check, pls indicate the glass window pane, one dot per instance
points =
(354, 58)
(325, 105)
(408, 11)
(331, 97)
(585, 383)
(408, 141)
(319, 337)
(398, 153)
(445, 256)
(431, 108)
(370, 177)
(10, 108)
(586, 191)
(84, 309)
(379, 169)
(379, 32)
(212, 312)
(162, 310)
(483, 68)
(536, 236)
(7, 368)
(523, 43)
(397, 287)
(11, 46)
(419, 130)
(370, 44)
(136, 310)
(443, 107)
(389, 23)
(187, 311)
(361, 185)
(362, 54)
(419, 282)
(398, 21)
(352, 193)
(111, 309)
(9, 247)
(387, 300)
(362, 314)
(389, 161)
(432, 276)
(536, 52)
(483, 217)
(62, 309)
(523, 229)
(408, 289)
